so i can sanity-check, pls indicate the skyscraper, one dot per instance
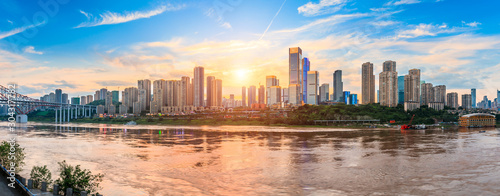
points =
(498, 97)
(58, 96)
(103, 93)
(83, 100)
(306, 67)
(388, 85)
(401, 90)
(210, 91)
(346, 96)
(244, 96)
(90, 98)
(97, 95)
(142, 96)
(108, 100)
(427, 93)
(367, 83)
(312, 87)
(295, 76)
(159, 96)
(440, 93)
(189, 92)
(146, 85)
(467, 101)
(129, 96)
(338, 86)
(452, 100)
(116, 96)
(218, 92)
(262, 92)
(64, 98)
(270, 81)
(412, 89)
(473, 97)
(324, 94)
(198, 94)
(275, 95)
(252, 91)
(284, 95)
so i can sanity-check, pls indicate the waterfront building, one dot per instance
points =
(296, 74)
(412, 89)
(198, 86)
(244, 96)
(108, 100)
(58, 94)
(142, 93)
(100, 109)
(284, 95)
(116, 96)
(111, 109)
(146, 85)
(436, 105)
(275, 96)
(90, 99)
(188, 92)
(210, 91)
(452, 100)
(252, 95)
(97, 95)
(324, 94)
(498, 98)
(467, 101)
(473, 97)
(218, 92)
(103, 93)
(338, 86)
(64, 98)
(83, 100)
(346, 95)
(312, 87)
(477, 120)
(427, 93)
(388, 85)
(353, 99)
(75, 100)
(401, 89)
(136, 108)
(130, 95)
(262, 95)
(123, 109)
(306, 68)
(270, 81)
(367, 83)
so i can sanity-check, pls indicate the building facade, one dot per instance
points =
(198, 86)
(467, 101)
(145, 85)
(388, 85)
(452, 100)
(324, 94)
(312, 87)
(412, 89)
(270, 81)
(296, 75)
(338, 86)
(367, 83)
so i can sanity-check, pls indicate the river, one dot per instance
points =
(245, 160)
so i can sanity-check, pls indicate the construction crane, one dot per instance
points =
(409, 126)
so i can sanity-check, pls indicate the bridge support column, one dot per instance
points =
(76, 112)
(56, 115)
(60, 115)
(69, 112)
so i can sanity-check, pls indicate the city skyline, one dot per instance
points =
(445, 50)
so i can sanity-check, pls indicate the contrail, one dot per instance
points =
(272, 20)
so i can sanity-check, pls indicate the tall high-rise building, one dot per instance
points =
(198, 86)
(159, 96)
(218, 92)
(412, 89)
(142, 99)
(284, 95)
(146, 85)
(129, 96)
(306, 67)
(244, 96)
(346, 97)
(452, 100)
(427, 93)
(97, 95)
(262, 95)
(367, 83)
(103, 93)
(473, 97)
(338, 86)
(189, 92)
(64, 98)
(467, 101)
(108, 100)
(440, 93)
(312, 87)
(401, 90)
(116, 96)
(389, 66)
(58, 96)
(75, 100)
(275, 95)
(353, 99)
(90, 98)
(388, 85)
(83, 100)
(324, 94)
(252, 95)
(210, 91)
(296, 75)
(270, 81)
(498, 97)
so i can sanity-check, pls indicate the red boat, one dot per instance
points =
(409, 126)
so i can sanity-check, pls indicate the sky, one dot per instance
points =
(82, 46)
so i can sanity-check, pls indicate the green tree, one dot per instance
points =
(77, 179)
(16, 156)
(40, 174)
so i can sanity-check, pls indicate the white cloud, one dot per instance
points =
(31, 49)
(108, 18)
(10, 21)
(226, 25)
(384, 23)
(471, 24)
(402, 2)
(323, 7)
(428, 30)
(18, 30)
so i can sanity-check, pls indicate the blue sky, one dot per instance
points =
(85, 45)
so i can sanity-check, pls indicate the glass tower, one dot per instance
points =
(296, 75)
(401, 89)
(473, 97)
(307, 67)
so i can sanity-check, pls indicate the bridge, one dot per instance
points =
(23, 105)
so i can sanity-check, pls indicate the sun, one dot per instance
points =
(241, 74)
